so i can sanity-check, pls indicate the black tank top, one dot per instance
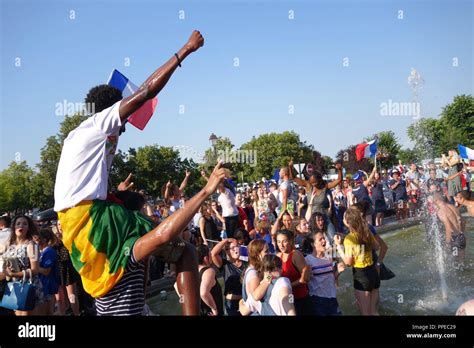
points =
(216, 293)
(210, 229)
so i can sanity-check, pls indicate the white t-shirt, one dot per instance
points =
(227, 202)
(5, 236)
(275, 298)
(86, 158)
(322, 282)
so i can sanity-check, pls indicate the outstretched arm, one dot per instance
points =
(333, 184)
(176, 223)
(185, 181)
(371, 177)
(299, 181)
(155, 83)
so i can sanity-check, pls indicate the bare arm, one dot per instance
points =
(207, 283)
(185, 182)
(155, 83)
(371, 177)
(299, 181)
(288, 305)
(336, 182)
(257, 288)
(454, 176)
(216, 252)
(219, 216)
(300, 264)
(176, 223)
(284, 199)
(201, 228)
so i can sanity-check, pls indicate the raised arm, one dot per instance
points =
(185, 181)
(299, 181)
(371, 177)
(336, 182)
(176, 223)
(216, 252)
(155, 83)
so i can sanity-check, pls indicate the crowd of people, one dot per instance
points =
(279, 248)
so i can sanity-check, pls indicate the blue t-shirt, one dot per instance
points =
(267, 239)
(400, 191)
(48, 259)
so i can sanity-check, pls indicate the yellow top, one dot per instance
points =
(362, 255)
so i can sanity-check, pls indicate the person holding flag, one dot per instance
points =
(360, 190)
(104, 239)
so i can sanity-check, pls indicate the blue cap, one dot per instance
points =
(357, 176)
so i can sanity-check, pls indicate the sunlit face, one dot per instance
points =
(304, 226)
(283, 244)
(320, 222)
(413, 167)
(320, 242)
(282, 173)
(287, 221)
(21, 227)
(260, 193)
(233, 250)
(238, 199)
(459, 198)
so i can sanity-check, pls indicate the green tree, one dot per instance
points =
(426, 134)
(212, 154)
(15, 188)
(152, 166)
(274, 150)
(457, 122)
(432, 137)
(43, 188)
(408, 156)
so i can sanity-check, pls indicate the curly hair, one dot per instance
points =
(102, 97)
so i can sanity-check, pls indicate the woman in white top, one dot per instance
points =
(252, 287)
(230, 212)
(278, 299)
(322, 284)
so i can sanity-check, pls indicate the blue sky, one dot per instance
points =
(283, 62)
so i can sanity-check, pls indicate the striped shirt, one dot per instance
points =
(127, 298)
(322, 282)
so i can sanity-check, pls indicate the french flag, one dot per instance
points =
(466, 152)
(140, 117)
(366, 150)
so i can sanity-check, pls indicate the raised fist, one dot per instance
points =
(195, 41)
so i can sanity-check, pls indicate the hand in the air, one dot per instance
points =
(195, 41)
(217, 176)
(127, 184)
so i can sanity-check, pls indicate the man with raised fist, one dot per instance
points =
(103, 238)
